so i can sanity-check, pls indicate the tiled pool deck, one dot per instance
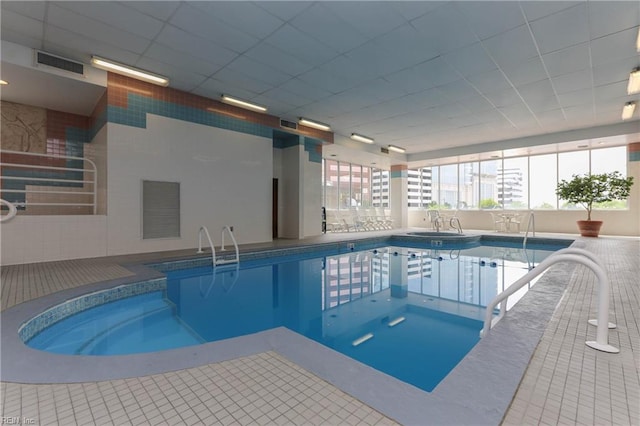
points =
(565, 381)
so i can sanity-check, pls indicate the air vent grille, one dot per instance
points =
(288, 124)
(384, 150)
(59, 63)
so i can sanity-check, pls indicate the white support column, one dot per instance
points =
(399, 188)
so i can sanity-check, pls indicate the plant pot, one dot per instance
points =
(589, 228)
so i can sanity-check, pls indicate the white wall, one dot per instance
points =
(311, 196)
(289, 195)
(29, 239)
(225, 179)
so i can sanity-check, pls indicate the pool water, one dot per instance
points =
(411, 313)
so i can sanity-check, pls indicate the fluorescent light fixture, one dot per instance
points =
(361, 138)
(634, 82)
(628, 109)
(117, 68)
(314, 124)
(243, 104)
(3, 83)
(396, 148)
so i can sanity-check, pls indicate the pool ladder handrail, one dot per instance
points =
(236, 259)
(583, 257)
(531, 224)
(215, 262)
(203, 229)
(452, 223)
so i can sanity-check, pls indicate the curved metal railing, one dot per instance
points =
(577, 255)
(13, 211)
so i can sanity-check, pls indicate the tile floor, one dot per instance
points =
(565, 383)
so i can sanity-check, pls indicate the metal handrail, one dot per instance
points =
(569, 254)
(13, 211)
(457, 221)
(91, 169)
(531, 223)
(235, 245)
(203, 229)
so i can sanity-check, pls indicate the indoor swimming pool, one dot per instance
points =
(412, 313)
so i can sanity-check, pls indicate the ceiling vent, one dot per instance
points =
(49, 60)
(384, 150)
(288, 124)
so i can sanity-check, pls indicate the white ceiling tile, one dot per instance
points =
(258, 71)
(248, 17)
(611, 91)
(447, 27)
(577, 97)
(525, 72)
(371, 19)
(234, 78)
(180, 59)
(413, 9)
(31, 9)
(458, 90)
(503, 98)
(178, 39)
(535, 9)
(351, 72)
(278, 59)
(316, 20)
(491, 18)
(304, 89)
(18, 37)
(284, 98)
(539, 96)
(392, 81)
(513, 46)
(435, 72)
(327, 80)
(573, 81)
(470, 60)
(614, 72)
(563, 29)
(13, 23)
(285, 10)
(488, 81)
(95, 30)
(161, 10)
(569, 60)
(118, 16)
(198, 24)
(615, 46)
(301, 46)
(518, 114)
(415, 49)
(608, 17)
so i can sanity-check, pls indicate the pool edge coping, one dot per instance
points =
(408, 407)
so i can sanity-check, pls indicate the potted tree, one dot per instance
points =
(589, 190)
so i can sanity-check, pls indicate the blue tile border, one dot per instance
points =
(82, 303)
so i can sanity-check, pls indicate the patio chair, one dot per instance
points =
(499, 222)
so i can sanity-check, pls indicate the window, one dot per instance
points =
(511, 183)
(489, 181)
(348, 185)
(544, 178)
